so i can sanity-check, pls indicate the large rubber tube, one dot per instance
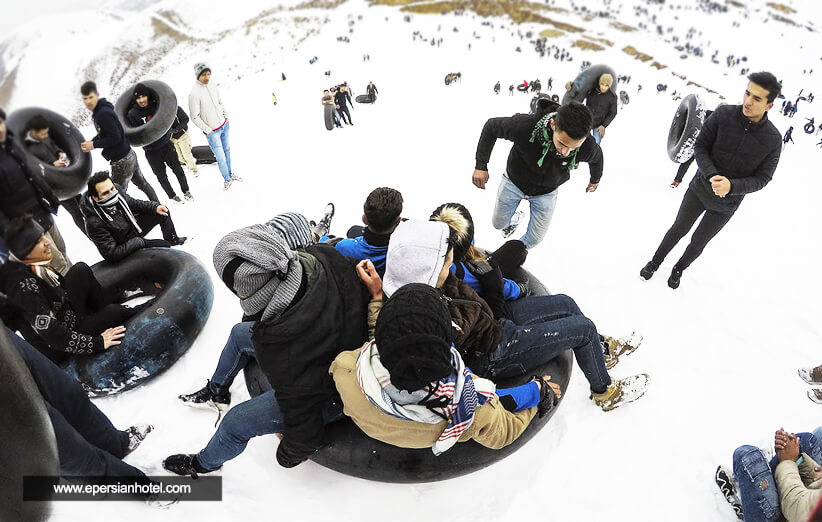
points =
(159, 124)
(624, 98)
(65, 182)
(522, 87)
(364, 98)
(158, 335)
(28, 445)
(449, 78)
(328, 115)
(587, 80)
(352, 452)
(540, 103)
(203, 155)
(685, 127)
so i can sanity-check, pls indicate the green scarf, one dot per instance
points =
(546, 138)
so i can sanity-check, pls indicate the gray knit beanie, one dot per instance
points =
(416, 254)
(294, 228)
(258, 266)
(200, 68)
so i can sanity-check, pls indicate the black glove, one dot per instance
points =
(491, 285)
(510, 256)
(547, 398)
(524, 289)
(157, 243)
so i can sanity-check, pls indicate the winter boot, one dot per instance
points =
(728, 489)
(673, 280)
(622, 391)
(324, 226)
(136, 435)
(612, 348)
(815, 395)
(207, 399)
(648, 271)
(185, 465)
(512, 225)
(811, 375)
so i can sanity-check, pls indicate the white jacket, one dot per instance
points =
(206, 107)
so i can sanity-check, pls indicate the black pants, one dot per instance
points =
(344, 114)
(92, 303)
(710, 225)
(72, 206)
(683, 168)
(126, 170)
(149, 221)
(158, 159)
(87, 441)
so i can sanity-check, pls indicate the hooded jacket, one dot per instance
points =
(46, 151)
(205, 106)
(522, 166)
(20, 192)
(180, 124)
(117, 238)
(733, 146)
(603, 106)
(110, 135)
(142, 115)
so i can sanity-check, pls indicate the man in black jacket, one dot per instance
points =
(112, 139)
(340, 102)
(737, 152)
(161, 152)
(547, 146)
(22, 193)
(603, 104)
(182, 141)
(118, 223)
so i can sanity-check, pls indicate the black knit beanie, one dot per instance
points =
(25, 237)
(141, 90)
(413, 337)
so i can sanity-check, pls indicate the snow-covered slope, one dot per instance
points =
(722, 351)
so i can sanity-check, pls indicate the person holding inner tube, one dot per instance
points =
(22, 193)
(341, 100)
(329, 100)
(205, 105)
(161, 152)
(535, 330)
(59, 315)
(112, 139)
(737, 152)
(548, 145)
(603, 104)
(683, 168)
(117, 223)
(41, 146)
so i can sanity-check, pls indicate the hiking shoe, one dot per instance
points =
(673, 280)
(815, 395)
(205, 398)
(177, 241)
(185, 465)
(235, 177)
(811, 375)
(226, 184)
(622, 391)
(674, 184)
(136, 435)
(728, 488)
(188, 196)
(512, 225)
(177, 199)
(648, 270)
(612, 348)
(324, 226)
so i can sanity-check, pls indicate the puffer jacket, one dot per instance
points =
(115, 239)
(205, 107)
(603, 106)
(479, 333)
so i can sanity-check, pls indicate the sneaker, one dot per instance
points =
(324, 226)
(226, 184)
(177, 199)
(674, 184)
(205, 398)
(673, 280)
(728, 488)
(512, 225)
(235, 177)
(815, 395)
(185, 465)
(811, 375)
(612, 348)
(195, 171)
(622, 391)
(177, 241)
(648, 271)
(188, 196)
(136, 435)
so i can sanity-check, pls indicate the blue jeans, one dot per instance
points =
(218, 141)
(542, 208)
(541, 328)
(757, 488)
(597, 136)
(260, 415)
(237, 351)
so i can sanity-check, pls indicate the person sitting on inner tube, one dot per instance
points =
(118, 223)
(538, 328)
(409, 387)
(59, 315)
(603, 104)
(307, 308)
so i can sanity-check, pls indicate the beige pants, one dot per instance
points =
(183, 147)
(59, 260)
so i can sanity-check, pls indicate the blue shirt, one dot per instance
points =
(367, 246)
(510, 289)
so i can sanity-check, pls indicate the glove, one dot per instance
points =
(510, 256)
(156, 243)
(491, 285)
(524, 290)
(547, 397)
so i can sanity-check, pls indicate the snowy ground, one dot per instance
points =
(722, 351)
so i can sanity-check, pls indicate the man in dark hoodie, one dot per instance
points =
(22, 193)
(547, 146)
(161, 152)
(341, 104)
(603, 104)
(737, 152)
(182, 141)
(118, 223)
(112, 139)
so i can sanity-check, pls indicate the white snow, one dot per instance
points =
(722, 350)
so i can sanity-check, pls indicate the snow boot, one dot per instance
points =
(324, 226)
(673, 280)
(648, 270)
(811, 375)
(728, 488)
(512, 225)
(612, 348)
(136, 435)
(185, 465)
(622, 391)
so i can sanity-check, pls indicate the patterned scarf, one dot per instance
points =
(454, 398)
(114, 200)
(545, 135)
(45, 272)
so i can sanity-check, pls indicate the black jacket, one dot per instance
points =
(522, 166)
(140, 116)
(295, 349)
(110, 135)
(44, 315)
(180, 124)
(340, 97)
(20, 192)
(603, 106)
(115, 239)
(371, 89)
(733, 146)
(46, 151)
